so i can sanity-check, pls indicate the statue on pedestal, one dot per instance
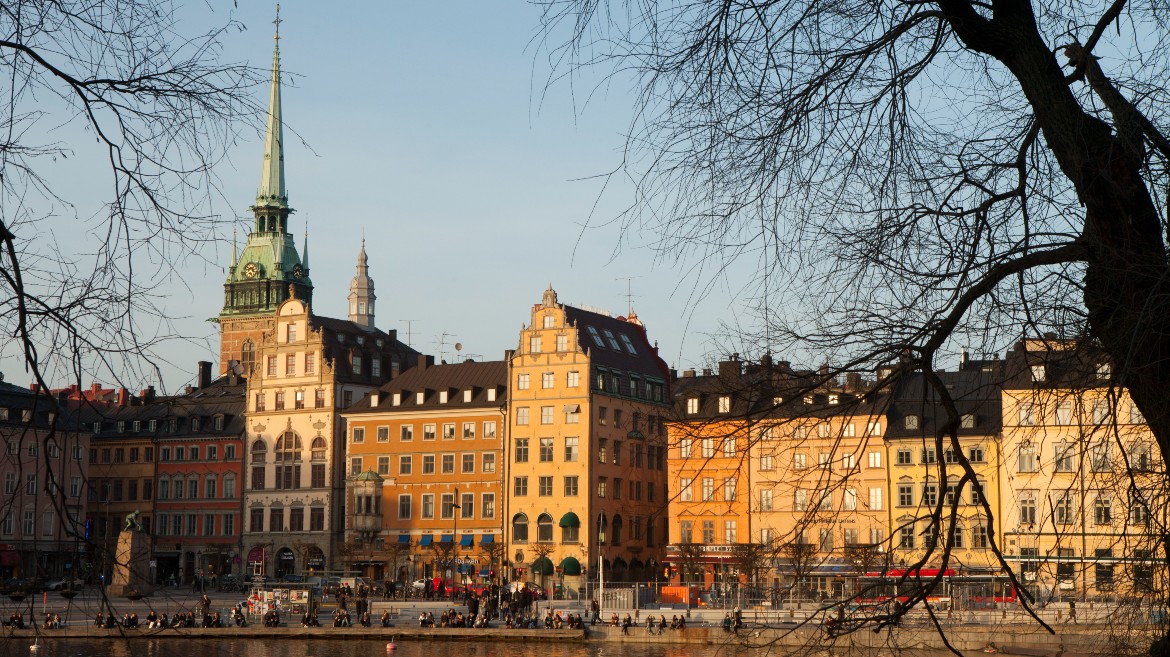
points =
(132, 522)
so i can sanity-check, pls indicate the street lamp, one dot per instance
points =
(455, 510)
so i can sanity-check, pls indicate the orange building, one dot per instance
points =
(425, 488)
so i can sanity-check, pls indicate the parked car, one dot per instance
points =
(63, 583)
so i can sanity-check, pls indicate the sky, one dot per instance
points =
(428, 129)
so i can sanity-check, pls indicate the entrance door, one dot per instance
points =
(286, 563)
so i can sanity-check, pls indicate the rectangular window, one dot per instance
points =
(1026, 414)
(405, 433)
(546, 450)
(875, 459)
(875, 499)
(448, 431)
(617, 488)
(290, 364)
(318, 475)
(467, 505)
(571, 486)
(765, 500)
(489, 463)
(489, 430)
(317, 519)
(767, 462)
(729, 489)
(359, 435)
(310, 363)
(546, 414)
(355, 465)
(448, 464)
(272, 366)
(1063, 459)
(428, 506)
(602, 483)
(1026, 460)
(906, 538)
(548, 380)
(428, 432)
(405, 465)
(545, 486)
(279, 405)
(686, 493)
(468, 466)
(469, 430)
(319, 398)
(905, 457)
(404, 505)
(573, 379)
(488, 511)
(428, 462)
(1028, 508)
(708, 489)
(905, 495)
(521, 450)
(520, 486)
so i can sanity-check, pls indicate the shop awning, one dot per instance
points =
(467, 540)
(487, 539)
(404, 538)
(542, 566)
(570, 566)
(447, 538)
(570, 519)
(426, 540)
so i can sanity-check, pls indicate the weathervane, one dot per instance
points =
(277, 22)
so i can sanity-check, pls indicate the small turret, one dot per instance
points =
(361, 293)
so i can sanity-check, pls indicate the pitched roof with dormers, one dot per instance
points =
(478, 377)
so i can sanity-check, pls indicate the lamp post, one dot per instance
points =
(455, 509)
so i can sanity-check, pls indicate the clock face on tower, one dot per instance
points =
(298, 272)
(250, 270)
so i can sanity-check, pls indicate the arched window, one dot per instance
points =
(209, 487)
(520, 528)
(248, 356)
(259, 451)
(544, 528)
(617, 530)
(318, 449)
(288, 448)
(601, 527)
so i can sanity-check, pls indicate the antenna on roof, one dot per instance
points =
(629, 292)
(409, 323)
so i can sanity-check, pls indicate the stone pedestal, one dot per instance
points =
(131, 566)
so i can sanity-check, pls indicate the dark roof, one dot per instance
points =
(1068, 364)
(17, 399)
(975, 392)
(455, 378)
(643, 361)
(391, 346)
(224, 396)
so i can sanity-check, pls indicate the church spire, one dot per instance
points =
(272, 193)
(361, 293)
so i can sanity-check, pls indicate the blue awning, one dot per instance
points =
(487, 539)
(426, 540)
(484, 572)
(447, 538)
(404, 538)
(467, 540)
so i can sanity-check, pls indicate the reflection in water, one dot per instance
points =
(175, 647)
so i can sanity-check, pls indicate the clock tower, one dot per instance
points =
(268, 270)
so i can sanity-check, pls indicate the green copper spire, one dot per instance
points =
(272, 191)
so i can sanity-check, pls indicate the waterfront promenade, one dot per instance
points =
(1010, 630)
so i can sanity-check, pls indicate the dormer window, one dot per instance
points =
(692, 405)
(378, 342)
(467, 396)
(550, 321)
(911, 421)
(420, 397)
(834, 398)
(596, 336)
(725, 404)
(121, 426)
(357, 364)
(1104, 371)
(397, 399)
(152, 425)
(491, 394)
(442, 396)
(136, 426)
(629, 345)
(360, 339)
(1039, 374)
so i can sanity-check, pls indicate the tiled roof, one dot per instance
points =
(643, 361)
(455, 378)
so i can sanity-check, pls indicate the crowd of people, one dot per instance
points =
(653, 626)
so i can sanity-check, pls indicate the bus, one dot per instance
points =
(964, 591)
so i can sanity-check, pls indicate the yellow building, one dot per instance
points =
(426, 483)
(924, 472)
(1078, 469)
(777, 479)
(586, 452)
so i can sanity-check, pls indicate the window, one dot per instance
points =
(967, 421)
(729, 532)
(708, 489)
(404, 504)
(1103, 511)
(317, 519)
(977, 492)
(405, 433)
(1028, 508)
(546, 450)
(800, 499)
(355, 465)
(571, 486)
(448, 431)
(1064, 413)
(467, 505)
(905, 457)
(601, 486)
(448, 464)
(729, 489)
(617, 452)
(905, 495)
(290, 364)
(617, 488)
(1100, 412)
(522, 381)
(489, 463)
(562, 343)
(929, 457)
(468, 465)
(767, 463)
(1026, 414)
(469, 430)
(708, 448)
(447, 506)
(906, 538)
(318, 475)
(708, 531)
(271, 365)
(428, 464)
(686, 493)
(1026, 460)
(692, 405)
(929, 494)
(319, 398)
(427, 510)
(310, 363)
(522, 415)
(1062, 510)
(520, 528)
(1099, 457)
(534, 344)
(548, 380)
(729, 448)
(520, 487)
(521, 450)
(279, 405)
(849, 500)
(724, 404)
(357, 363)
(405, 464)
(875, 499)
(875, 459)
(1103, 569)
(573, 379)
(911, 421)
(765, 500)
(546, 414)
(1063, 460)
(545, 486)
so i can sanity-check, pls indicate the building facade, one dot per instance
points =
(586, 448)
(428, 448)
(43, 466)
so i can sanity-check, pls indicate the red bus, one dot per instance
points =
(966, 591)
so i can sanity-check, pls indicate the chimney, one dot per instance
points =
(35, 387)
(673, 374)
(123, 397)
(425, 361)
(853, 381)
(707, 371)
(730, 368)
(204, 374)
(689, 373)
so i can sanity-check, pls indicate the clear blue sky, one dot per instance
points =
(427, 127)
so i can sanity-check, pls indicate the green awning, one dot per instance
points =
(570, 566)
(570, 519)
(542, 566)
